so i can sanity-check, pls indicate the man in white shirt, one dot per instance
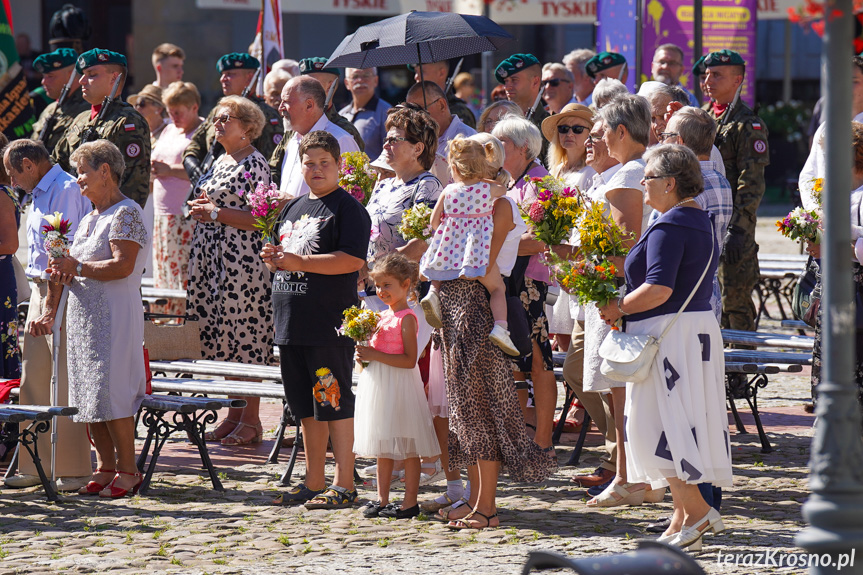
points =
(302, 108)
(449, 125)
(28, 164)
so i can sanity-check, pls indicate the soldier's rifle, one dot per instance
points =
(536, 102)
(330, 93)
(90, 133)
(455, 72)
(49, 122)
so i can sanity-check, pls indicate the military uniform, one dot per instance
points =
(124, 127)
(515, 64)
(204, 136)
(346, 125)
(536, 119)
(460, 108)
(742, 141)
(74, 105)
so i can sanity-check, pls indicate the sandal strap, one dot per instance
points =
(136, 474)
(100, 470)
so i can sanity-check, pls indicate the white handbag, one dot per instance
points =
(629, 357)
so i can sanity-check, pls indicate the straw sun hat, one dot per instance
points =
(549, 125)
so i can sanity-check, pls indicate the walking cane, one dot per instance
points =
(55, 400)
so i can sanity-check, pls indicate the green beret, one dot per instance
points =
(513, 65)
(98, 56)
(603, 61)
(237, 61)
(723, 58)
(699, 68)
(55, 60)
(316, 66)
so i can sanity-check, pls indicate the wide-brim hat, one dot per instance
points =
(148, 92)
(381, 162)
(549, 125)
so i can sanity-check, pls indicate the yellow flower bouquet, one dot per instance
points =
(554, 212)
(359, 324)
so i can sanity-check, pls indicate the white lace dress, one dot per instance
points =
(107, 380)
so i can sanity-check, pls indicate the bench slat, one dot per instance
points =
(767, 356)
(51, 411)
(740, 337)
(219, 387)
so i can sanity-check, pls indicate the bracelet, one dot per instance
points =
(620, 306)
(79, 268)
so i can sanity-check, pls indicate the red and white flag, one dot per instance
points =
(269, 47)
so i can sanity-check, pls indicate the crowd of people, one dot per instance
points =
(446, 390)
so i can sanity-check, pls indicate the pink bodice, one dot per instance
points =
(388, 338)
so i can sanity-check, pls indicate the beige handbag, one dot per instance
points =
(21, 280)
(169, 342)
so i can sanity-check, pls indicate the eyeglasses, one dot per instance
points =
(391, 140)
(554, 82)
(224, 118)
(648, 178)
(575, 129)
(666, 135)
(592, 139)
(140, 104)
(355, 77)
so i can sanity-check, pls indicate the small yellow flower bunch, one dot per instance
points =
(356, 176)
(817, 189)
(359, 324)
(600, 236)
(416, 223)
(554, 212)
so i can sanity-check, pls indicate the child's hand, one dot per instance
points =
(365, 353)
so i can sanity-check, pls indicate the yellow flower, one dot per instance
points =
(54, 220)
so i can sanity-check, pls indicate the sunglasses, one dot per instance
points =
(391, 140)
(566, 129)
(648, 178)
(554, 82)
(224, 118)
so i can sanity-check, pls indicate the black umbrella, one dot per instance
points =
(418, 37)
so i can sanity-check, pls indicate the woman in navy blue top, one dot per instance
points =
(676, 425)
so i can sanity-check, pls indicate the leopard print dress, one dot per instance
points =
(485, 420)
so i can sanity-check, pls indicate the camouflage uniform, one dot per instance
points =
(536, 119)
(742, 141)
(124, 127)
(278, 155)
(204, 136)
(460, 108)
(74, 105)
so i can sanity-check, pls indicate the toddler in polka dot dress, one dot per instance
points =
(461, 244)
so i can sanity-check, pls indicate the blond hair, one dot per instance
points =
(167, 50)
(494, 155)
(466, 157)
(181, 93)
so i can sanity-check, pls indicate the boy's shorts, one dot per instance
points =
(317, 381)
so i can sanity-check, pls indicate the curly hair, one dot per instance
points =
(467, 158)
(419, 128)
(680, 163)
(247, 112)
(401, 268)
(494, 155)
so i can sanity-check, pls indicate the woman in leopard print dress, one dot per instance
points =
(486, 423)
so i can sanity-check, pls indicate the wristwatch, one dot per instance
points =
(78, 269)
(214, 215)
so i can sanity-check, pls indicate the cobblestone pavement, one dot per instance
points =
(183, 526)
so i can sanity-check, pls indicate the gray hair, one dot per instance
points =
(373, 70)
(94, 154)
(607, 90)
(673, 93)
(696, 128)
(670, 48)
(631, 112)
(292, 67)
(521, 132)
(579, 58)
(511, 107)
(18, 150)
(680, 163)
(277, 77)
(310, 89)
(558, 67)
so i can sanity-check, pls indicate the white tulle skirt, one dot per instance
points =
(676, 424)
(391, 414)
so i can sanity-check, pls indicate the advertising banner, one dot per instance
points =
(617, 32)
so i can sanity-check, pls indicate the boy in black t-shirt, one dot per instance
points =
(324, 239)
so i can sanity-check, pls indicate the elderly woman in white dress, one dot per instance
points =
(107, 378)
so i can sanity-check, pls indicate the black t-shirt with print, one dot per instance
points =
(308, 307)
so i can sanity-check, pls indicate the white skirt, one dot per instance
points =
(595, 330)
(391, 414)
(560, 319)
(675, 421)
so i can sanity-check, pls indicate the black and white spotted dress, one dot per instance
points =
(229, 286)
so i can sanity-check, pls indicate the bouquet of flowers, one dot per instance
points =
(264, 201)
(554, 212)
(56, 243)
(801, 225)
(356, 176)
(359, 325)
(416, 223)
(817, 188)
(599, 236)
(586, 280)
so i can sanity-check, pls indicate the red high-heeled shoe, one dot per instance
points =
(93, 487)
(116, 492)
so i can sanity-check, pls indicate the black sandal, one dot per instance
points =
(462, 523)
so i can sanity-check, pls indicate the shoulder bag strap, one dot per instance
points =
(416, 189)
(695, 289)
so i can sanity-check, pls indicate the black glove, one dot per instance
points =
(735, 242)
(193, 169)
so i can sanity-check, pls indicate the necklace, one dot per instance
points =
(681, 202)
(239, 152)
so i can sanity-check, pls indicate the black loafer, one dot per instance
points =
(391, 511)
(661, 525)
(373, 509)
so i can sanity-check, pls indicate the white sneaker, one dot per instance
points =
(72, 483)
(21, 481)
(430, 478)
(371, 470)
(431, 308)
(500, 337)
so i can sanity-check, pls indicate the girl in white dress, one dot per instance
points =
(461, 245)
(391, 415)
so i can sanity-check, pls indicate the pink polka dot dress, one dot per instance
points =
(460, 247)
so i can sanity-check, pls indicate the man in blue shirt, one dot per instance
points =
(667, 67)
(367, 112)
(28, 164)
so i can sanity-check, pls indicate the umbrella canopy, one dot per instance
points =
(418, 37)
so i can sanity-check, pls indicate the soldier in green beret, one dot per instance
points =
(438, 72)
(521, 76)
(237, 70)
(742, 140)
(121, 125)
(699, 72)
(607, 65)
(56, 68)
(328, 77)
